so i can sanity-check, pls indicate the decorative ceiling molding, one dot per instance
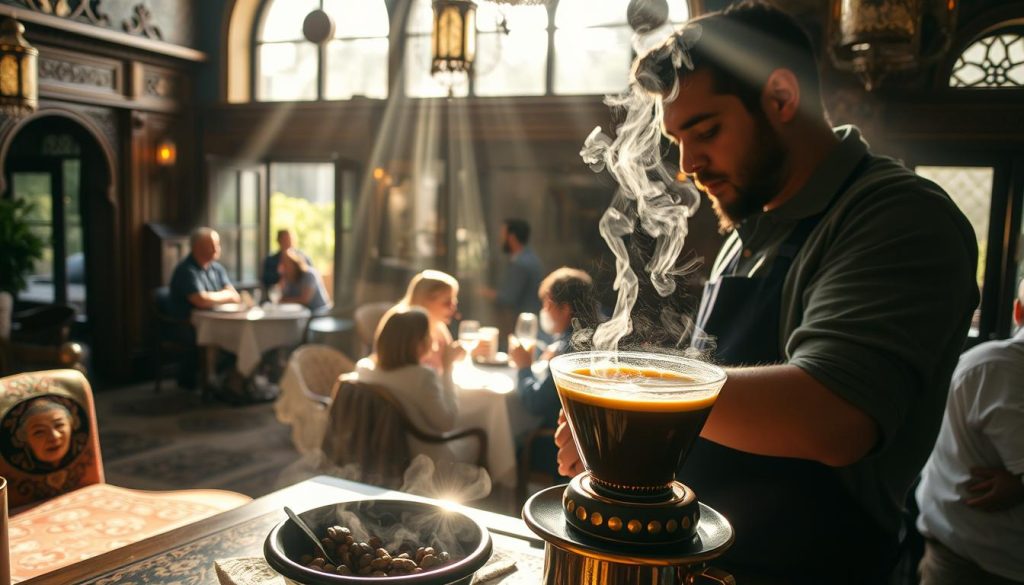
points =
(85, 10)
(141, 23)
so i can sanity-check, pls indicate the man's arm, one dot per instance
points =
(782, 411)
(208, 300)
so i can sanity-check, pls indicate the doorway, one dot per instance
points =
(59, 167)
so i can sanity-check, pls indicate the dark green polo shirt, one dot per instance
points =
(876, 305)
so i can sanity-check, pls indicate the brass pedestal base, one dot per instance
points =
(576, 558)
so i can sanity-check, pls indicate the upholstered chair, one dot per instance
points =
(61, 510)
(305, 397)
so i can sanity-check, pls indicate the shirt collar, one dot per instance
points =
(821, 187)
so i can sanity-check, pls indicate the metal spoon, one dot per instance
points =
(309, 532)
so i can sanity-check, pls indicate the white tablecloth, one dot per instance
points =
(487, 399)
(249, 333)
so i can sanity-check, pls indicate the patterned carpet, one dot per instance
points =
(173, 440)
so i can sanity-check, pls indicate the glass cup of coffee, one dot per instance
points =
(635, 416)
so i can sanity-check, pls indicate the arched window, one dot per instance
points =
(513, 62)
(995, 60)
(511, 55)
(592, 45)
(353, 62)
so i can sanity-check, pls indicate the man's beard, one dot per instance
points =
(505, 247)
(758, 180)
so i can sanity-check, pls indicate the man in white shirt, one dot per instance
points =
(971, 494)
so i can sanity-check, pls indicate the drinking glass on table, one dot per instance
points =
(274, 294)
(469, 337)
(526, 331)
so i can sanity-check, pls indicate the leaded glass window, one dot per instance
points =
(592, 45)
(353, 62)
(993, 61)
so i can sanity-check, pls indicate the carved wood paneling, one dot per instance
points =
(64, 73)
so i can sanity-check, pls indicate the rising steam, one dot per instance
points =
(649, 194)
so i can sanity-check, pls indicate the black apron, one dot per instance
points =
(794, 519)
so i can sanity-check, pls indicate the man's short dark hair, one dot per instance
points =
(741, 46)
(518, 228)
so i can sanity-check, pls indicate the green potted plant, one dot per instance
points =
(19, 247)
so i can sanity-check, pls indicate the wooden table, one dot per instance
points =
(186, 555)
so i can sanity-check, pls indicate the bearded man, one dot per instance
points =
(840, 302)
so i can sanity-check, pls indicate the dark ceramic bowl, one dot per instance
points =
(395, 522)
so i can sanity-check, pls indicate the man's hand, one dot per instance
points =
(994, 489)
(520, 356)
(569, 463)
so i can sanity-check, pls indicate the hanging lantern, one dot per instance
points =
(19, 93)
(453, 42)
(873, 38)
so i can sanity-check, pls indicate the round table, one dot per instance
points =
(250, 333)
(488, 399)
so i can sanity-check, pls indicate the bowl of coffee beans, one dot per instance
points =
(391, 542)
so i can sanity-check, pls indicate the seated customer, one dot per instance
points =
(567, 294)
(438, 294)
(270, 275)
(403, 340)
(301, 284)
(200, 282)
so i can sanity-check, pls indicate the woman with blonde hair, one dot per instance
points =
(438, 294)
(402, 341)
(300, 283)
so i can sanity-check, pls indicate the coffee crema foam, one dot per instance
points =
(638, 389)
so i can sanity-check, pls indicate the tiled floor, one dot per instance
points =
(173, 440)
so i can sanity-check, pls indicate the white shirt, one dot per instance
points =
(429, 400)
(983, 427)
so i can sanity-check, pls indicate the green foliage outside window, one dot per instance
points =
(312, 223)
(19, 246)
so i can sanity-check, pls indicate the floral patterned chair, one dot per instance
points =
(62, 512)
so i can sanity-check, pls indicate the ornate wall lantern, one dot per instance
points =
(19, 91)
(873, 38)
(453, 43)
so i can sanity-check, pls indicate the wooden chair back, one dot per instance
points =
(33, 405)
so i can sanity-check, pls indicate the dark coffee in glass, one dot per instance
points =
(635, 416)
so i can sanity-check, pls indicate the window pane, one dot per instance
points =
(357, 67)
(358, 18)
(489, 15)
(302, 200)
(229, 250)
(42, 269)
(225, 205)
(282, 19)
(37, 190)
(583, 13)
(971, 189)
(521, 63)
(678, 11)
(249, 253)
(592, 61)
(418, 80)
(249, 193)
(288, 71)
(421, 18)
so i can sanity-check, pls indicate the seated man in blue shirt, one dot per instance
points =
(200, 282)
(566, 295)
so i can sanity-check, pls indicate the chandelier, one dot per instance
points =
(19, 94)
(453, 42)
(873, 38)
